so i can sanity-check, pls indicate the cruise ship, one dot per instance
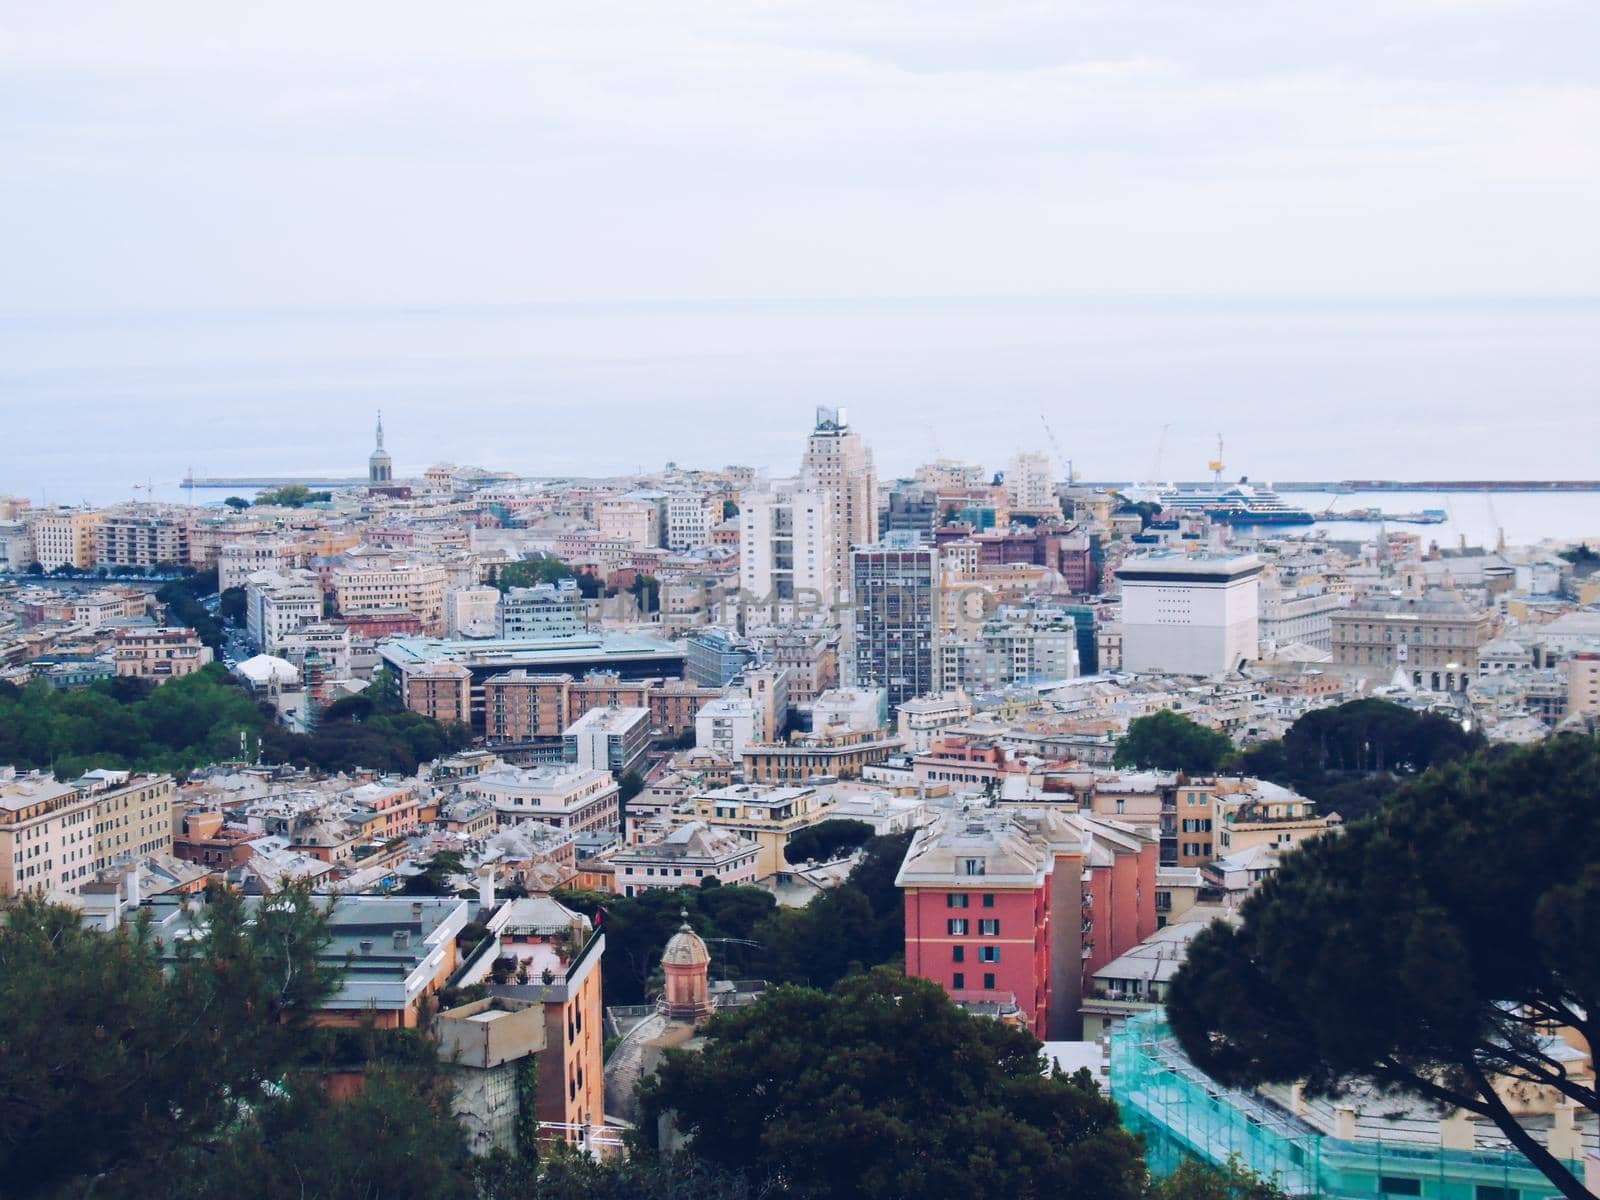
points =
(1233, 504)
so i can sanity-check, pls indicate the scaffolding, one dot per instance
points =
(1182, 1112)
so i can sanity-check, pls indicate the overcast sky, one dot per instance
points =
(218, 154)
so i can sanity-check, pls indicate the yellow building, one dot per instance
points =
(768, 816)
(418, 588)
(47, 839)
(64, 539)
(132, 814)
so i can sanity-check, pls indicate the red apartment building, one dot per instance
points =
(1012, 909)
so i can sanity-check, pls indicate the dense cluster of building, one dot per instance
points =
(668, 677)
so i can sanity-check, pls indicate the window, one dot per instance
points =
(1398, 1185)
(990, 927)
(956, 926)
(989, 954)
(958, 954)
(1490, 1191)
(988, 983)
(972, 866)
(958, 981)
(955, 900)
(988, 899)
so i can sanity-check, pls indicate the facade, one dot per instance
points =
(47, 838)
(1036, 647)
(1029, 485)
(1583, 684)
(1014, 908)
(1302, 616)
(471, 611)
(132, 815)
(1189, 614)
(560, 795)
(690, 518)
(275, 605)
(608, 739)
(727, 725)
(814, 755)
(767, 816)
(547, 610)
(632, 519)
(895, 614)
(1432, 640)
(64, 538)
(142, 536)
(160, 653)
(416, 588)
(838, 462)
(787, 550)
(715, 657)
(686, 857)
(440, 691)
(923, 722)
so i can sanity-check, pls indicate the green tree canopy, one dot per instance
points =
(825, 839)
(112, 1062)
(1427, 949)
(1170, 741)
(1350, 758)
(884, 1088)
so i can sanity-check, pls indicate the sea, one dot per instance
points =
(106, 406)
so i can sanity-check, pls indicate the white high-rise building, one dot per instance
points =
(838, 461)
(787, 547)
(1189, 614)
(1028, 483)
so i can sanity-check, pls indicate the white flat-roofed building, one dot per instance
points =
(687, 857)
(608, 739)
(727, 725)
(565, 796)
(1190, 614)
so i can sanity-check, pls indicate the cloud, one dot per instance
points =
(190, 153)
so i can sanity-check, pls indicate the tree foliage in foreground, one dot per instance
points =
(112, 1064)
(1169, 741)
(883, 1088)
(1427, 950)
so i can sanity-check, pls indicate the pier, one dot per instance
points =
(264, 482)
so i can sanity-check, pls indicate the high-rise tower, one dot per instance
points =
(838, 462)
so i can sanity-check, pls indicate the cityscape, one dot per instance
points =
(799, 601)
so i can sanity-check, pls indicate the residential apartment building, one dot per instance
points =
(142, 536)
(64, 538)
(810, 654)
(159, 653)
(1433, 640)
(686, 857)
(47, 838)
(132, 815)
(440, 691)
(894, 618)
(1033, 647)
(787, 552)
(1254, 813)
(276, 605)
(238, 560)
(690, 518)
(635, 519)
(838, 462)
(727, 725)
(813, 755)
(1030, 485)
(1013, 909)
(418, 588)
(1298, 616)
(565, 796)
(714, 657)
(1189, 614)
(767, 816)
(923, 721)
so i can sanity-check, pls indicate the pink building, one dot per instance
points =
(1013, 908)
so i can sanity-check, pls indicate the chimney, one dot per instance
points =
(366, 945)
(402, 939)
(486, 888)
(133, 887)
(416, 910)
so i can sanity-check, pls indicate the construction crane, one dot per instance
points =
(1161, 449)
(1055, 445)
(1216, 463)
